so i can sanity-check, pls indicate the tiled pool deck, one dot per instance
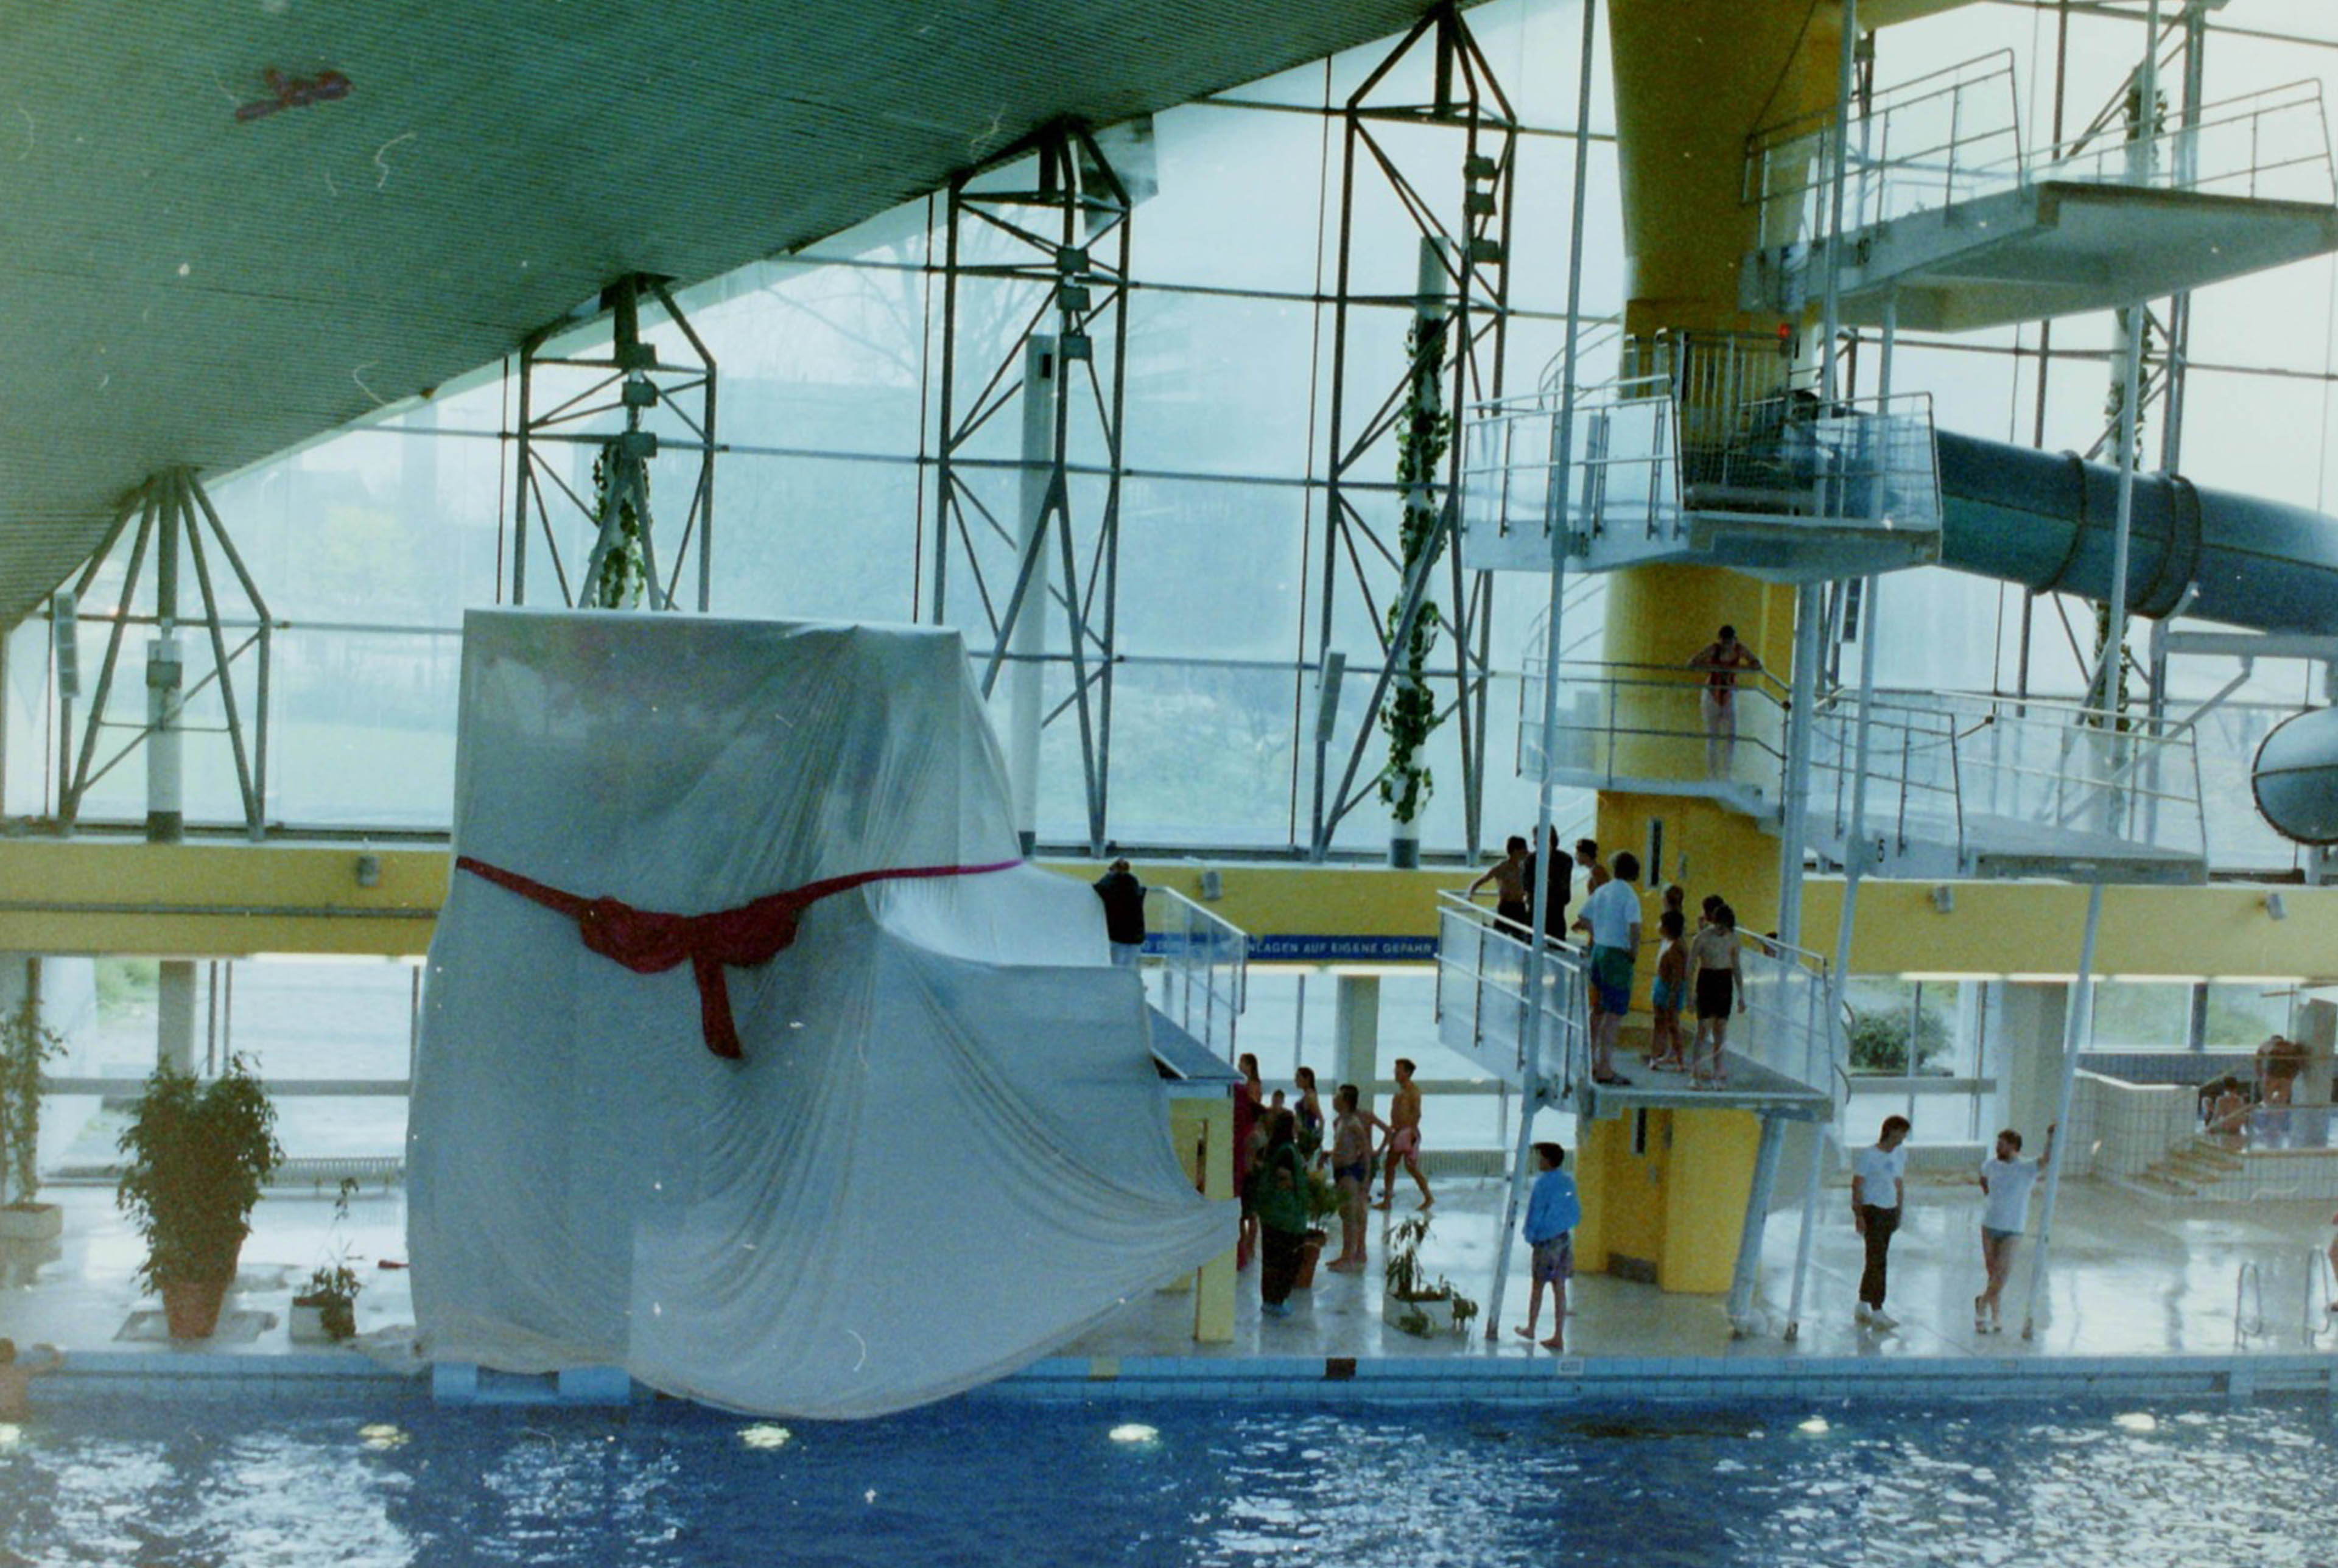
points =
(2142, 1304)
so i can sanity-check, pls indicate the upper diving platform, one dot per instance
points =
(1781, 1058)
(1709, 448)
(1946, 218)
(1974, 786)
(1959, 786)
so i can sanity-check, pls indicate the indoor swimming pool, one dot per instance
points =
(246, 1481)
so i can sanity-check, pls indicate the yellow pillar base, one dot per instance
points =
(1203, 1130)
(1664, 1196)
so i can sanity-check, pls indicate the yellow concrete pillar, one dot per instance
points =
(1202, 1129)
(1694, 78)
(1664, 1196)
(1706, 1180)
(1665, 1193)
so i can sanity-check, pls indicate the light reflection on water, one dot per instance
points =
(247, 1482)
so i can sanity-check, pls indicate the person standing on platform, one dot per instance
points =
(1721, 661)
(1717, 982)
(1124, 913)
(1612, 916)
(2005, 1178)
(1553, 1211)
(1512, 904)
(1878, 1185)
(1561, 892)
(1404, 1137)
(1669, 994)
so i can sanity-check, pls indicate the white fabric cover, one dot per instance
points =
(946, 1151)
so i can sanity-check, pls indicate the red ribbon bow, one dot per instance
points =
(648, 942)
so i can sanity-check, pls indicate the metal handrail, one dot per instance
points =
(1222, 946)
(1565, 1012)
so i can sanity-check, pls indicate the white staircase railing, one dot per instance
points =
(1204, 981)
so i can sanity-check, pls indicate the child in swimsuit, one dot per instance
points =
(1670, 991)
(1351, 1168)
(1310, 1117)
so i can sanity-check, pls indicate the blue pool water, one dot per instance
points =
(238, 1481)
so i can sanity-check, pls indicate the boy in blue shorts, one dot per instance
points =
(1553, 1211)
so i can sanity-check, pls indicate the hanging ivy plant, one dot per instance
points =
(618, 584)
(27, 1046)
(1424, 435)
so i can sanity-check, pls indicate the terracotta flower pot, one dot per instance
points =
(1310, 1251)
(191, 1307)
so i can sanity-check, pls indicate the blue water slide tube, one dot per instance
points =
(2045, 519)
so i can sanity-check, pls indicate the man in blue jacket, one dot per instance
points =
(1553, 1211)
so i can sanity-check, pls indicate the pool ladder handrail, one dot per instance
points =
(2249, 1286)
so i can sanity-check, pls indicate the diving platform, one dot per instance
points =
(1708, 449)
(1948, 225)
(1970, 786)
(1783, 1058)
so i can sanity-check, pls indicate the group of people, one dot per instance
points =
(1879, 1191)
(1703, 971)
(1279, 1147)
(2230, 1105)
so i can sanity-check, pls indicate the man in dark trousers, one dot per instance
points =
(1561, 873)
(1124, 913)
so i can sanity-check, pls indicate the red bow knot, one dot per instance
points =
(649, 942)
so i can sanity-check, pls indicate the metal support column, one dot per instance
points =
(1475, 244)
(1062, 215)
(1535, 1088)
(1748, 1271)
(628, 405)
(174, 515)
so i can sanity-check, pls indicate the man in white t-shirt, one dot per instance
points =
(1878, 1183)
(1612, 916)
(2005, 1180)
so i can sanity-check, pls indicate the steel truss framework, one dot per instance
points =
(172, 513)
(1472, 245)
(602, 399)
(1062, 214)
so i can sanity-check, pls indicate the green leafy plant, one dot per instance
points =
(1323, 1197)
(27, 1046)
(1424, 435)
(1409, 1284)
(623, 569)
(334, 1287)
(197, 1154)
(1879, 1041)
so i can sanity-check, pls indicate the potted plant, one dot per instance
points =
(197, 1154)
(1412, 1301)
(326, 1309)
(26, 1047)
(1322, 1202)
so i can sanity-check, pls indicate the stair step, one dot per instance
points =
(2163, 1181)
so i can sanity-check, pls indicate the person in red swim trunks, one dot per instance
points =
(1404, 1137)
